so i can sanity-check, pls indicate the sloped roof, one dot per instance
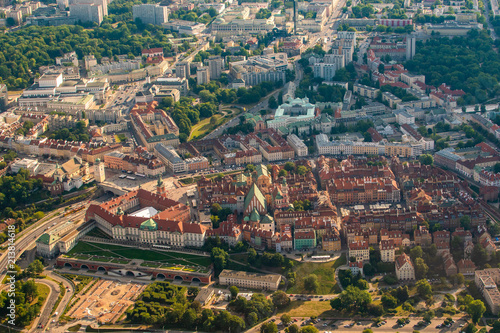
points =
(149, 224)
(255, 215)
(255, 192)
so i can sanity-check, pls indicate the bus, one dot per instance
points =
(122, 176)
(165, 247)
(131, 178)
(140, 175)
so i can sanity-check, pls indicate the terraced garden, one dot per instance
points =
(152, 258)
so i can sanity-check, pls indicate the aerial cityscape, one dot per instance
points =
(256, 166)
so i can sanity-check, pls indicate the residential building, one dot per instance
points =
(249, 280)
(331, 242)
(359, 250)
(486, 281)
(297, 145)
(304, 240)
(404, 268)
(86, 12)
(169, 156)
(387, 250)
(203, 75)
(150, 13)
(215, 65)
(182, 70)
(365, 91)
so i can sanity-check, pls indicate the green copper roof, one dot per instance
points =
(267, 219)
(47, 239)
(149, 225)
(254, 191)
(255, 217)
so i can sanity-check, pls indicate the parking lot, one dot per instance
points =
(390, 325)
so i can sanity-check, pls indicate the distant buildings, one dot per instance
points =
(294, 110)
(258, 69)
(86, 12)
(150, 13)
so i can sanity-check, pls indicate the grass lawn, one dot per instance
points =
(307, 309)
(326, 276)
(43, 290)
(121, 252)
(203, 127)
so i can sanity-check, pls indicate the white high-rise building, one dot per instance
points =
(86, 12)
(182, 70)
(99, 172)
(203, 75)
(102, 3)
(216, 65)
(151, 13)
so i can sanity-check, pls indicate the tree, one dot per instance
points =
(479, 255)
(416, 252)
(215, 209)
(36, 267)
(352, 299)
(424, 289)
(389, 301)
(476, 309)
(282, 173)
(234, 291)
(292, 329)
(30, 290)
(426, 159)
(421, 268)
(289, 166)
(402, 293)
(286, 319)
(269, 327)
(280, 299)
(250, 168)
(311, 283)
(219, 258)
(273, 104)
(308, 329)
(252, 256)
(301, 170)
(465, 222)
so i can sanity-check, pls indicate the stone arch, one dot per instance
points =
(101, 269)
(178, 278)
(160, 276)
(129, 273)
(196, 280)
(68, 265)
(84, 266)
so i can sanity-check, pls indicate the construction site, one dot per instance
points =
(105, 301)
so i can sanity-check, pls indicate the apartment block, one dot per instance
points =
(150, 13)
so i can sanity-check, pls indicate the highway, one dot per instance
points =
(27, 240)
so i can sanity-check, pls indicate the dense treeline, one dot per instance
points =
(78, 133)
(26, 293)
(469, 63)
(23, 51)
(165, 305)
(15, 190)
